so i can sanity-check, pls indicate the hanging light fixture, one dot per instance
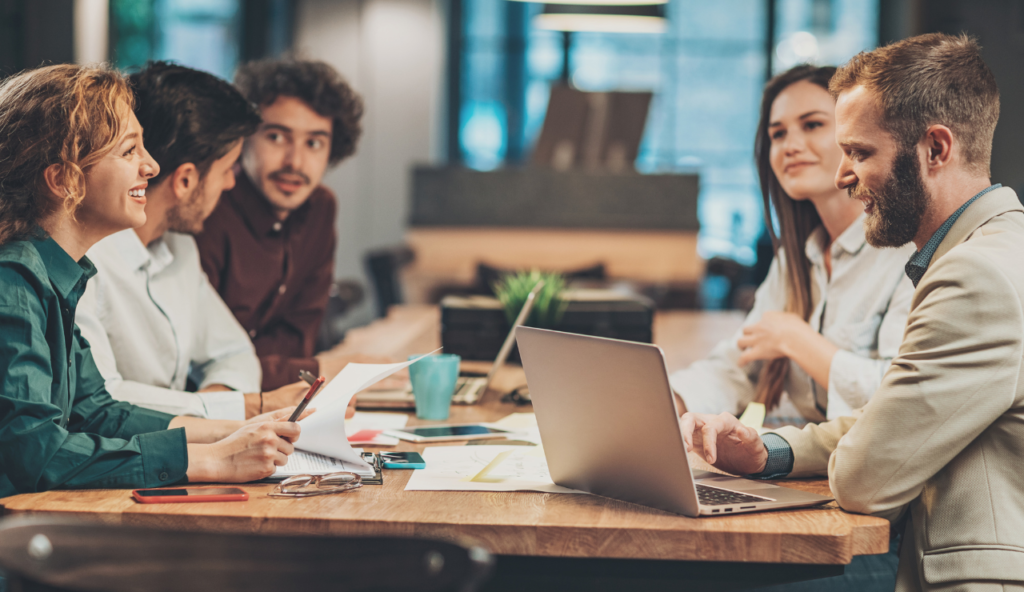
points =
(606, 16)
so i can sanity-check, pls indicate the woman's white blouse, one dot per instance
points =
(862, 309)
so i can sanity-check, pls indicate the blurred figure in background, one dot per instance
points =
(268, 249)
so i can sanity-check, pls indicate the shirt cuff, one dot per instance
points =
(164, 457)
(780, 457)
(223, 404)
(144, 421)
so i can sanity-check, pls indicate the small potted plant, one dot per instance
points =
(513, 288)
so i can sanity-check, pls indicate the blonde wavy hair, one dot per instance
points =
(65, 115)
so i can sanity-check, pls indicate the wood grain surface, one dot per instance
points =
(518, 523)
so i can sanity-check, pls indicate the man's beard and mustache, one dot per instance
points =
(899, 205)
(279, 175)
(187, 217)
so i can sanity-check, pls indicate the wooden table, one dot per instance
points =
(547, 541)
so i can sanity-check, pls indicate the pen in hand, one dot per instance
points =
(313, 388)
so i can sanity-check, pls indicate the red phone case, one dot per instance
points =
(185, 499)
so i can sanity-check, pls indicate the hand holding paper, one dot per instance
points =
(324, 431)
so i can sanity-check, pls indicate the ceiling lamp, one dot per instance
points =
(622, 16)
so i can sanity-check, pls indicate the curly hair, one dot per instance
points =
(65, 115)
(189, 116)
(315, 83)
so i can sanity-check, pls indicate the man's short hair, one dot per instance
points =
(315, 83)
(926, 80)
(189, 116)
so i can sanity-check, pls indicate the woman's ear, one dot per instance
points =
(55, 182)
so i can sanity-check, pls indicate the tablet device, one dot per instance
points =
(471, 431)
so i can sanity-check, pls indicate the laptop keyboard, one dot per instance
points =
(712, 496)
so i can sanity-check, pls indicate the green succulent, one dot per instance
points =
(513, 288)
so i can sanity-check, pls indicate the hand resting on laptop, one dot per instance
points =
(724, 443)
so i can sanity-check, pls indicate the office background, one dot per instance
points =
(466, 82)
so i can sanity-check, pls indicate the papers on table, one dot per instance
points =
(308, 463)
(522, 425)
(484, 468)
(324, 431)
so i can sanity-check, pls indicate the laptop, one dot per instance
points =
(469, 388)
(609, 426)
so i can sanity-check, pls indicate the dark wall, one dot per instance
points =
(999, 27)
(33, 32)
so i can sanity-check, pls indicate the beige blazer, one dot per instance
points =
(943, 437)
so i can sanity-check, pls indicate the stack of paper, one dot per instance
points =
(324, 433)
(484, 468)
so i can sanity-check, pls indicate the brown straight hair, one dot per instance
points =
(930, 79)
(66, 115)
(796, 220)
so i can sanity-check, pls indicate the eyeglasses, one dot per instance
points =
(310, 485)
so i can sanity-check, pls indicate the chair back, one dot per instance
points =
(58, 554)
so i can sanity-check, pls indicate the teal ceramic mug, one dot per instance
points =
(433, 383)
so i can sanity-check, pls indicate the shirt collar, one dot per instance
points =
(850, 240)
(921, 259)
(137, 256)
(64, 272)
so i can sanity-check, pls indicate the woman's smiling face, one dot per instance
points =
(115, 187)
(802, 127)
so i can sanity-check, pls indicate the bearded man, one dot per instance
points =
(938, 448)
(154, 322)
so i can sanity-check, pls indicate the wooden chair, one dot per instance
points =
(52, 554)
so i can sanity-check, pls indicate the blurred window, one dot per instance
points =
(706, 71)
(202, 34)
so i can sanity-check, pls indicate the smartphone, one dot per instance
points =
(449, 432)
(402, 460)
(190, 494)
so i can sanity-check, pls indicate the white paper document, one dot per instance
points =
(309, 463)
(484, 468)
(523, 427)
(324, 431)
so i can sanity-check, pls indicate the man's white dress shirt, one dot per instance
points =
(153, 320)
(862, 309)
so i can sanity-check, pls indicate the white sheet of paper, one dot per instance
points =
(308, 463)
(523, 427)
(324, 431)
(449, 468)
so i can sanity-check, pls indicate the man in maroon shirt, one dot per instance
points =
(268, 248)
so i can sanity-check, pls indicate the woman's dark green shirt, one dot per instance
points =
(59, 427)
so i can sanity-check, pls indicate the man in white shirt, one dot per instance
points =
(150, 314)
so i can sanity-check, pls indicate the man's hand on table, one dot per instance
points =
(724, 443)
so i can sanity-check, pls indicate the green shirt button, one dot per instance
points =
(164, 476)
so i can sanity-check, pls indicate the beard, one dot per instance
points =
(187, 217)
(899, 205)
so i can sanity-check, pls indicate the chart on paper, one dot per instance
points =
(484, 468)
